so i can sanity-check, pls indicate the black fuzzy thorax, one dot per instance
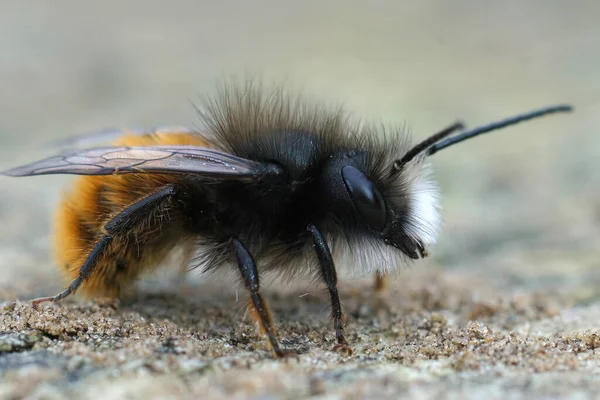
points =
(309, 142)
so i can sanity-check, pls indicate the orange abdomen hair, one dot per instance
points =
(94, 200)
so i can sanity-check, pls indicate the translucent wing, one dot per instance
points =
(110, 134)
(203, 161)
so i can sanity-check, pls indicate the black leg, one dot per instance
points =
(330, 278)
(120, 223)
(138, 211)
(259, 306)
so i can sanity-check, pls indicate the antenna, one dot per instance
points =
(496, 125)
(427, 143)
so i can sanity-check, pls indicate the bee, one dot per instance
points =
(273, 182)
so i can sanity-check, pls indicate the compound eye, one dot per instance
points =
(366, 198)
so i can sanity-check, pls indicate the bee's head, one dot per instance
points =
(401, 208)
(383, 208)
(394, 201)
(404, 216)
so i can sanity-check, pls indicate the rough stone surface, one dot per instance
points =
(508, 304)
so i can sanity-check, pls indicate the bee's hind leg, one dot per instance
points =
(84, 272)
(258, 305)
(329, 276)
(120, 223)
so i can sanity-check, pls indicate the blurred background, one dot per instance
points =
(521, 206)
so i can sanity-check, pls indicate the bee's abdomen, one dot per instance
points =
(94, 200)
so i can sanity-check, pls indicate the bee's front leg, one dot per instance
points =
(329, 276)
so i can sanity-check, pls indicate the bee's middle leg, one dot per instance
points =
(329, 276)
(258, 304)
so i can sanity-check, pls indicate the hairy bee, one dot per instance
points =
(272, 183)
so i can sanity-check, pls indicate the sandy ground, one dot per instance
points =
(508, 305)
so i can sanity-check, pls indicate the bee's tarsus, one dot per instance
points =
(286, 355)
(343, 348)
(53, 299)
(36, 302)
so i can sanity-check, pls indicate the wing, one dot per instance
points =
(203, 161)
(111, 134)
